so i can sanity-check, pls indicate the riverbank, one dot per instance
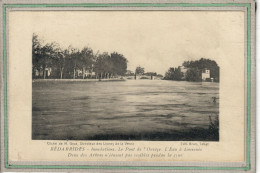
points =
(77, 80)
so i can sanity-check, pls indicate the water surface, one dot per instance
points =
(126, 110)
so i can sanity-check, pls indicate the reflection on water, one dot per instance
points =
(88, 110)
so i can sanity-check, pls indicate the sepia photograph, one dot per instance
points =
(108, 79)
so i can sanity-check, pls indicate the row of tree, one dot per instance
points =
(174, 74)
(69, 63)
(192, 70)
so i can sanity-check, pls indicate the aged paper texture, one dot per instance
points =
(156, 40)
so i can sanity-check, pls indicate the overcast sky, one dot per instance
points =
(155, 40)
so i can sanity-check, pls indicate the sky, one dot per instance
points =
(155, 40)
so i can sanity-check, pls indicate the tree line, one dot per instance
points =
(193, 70)
(72, 63)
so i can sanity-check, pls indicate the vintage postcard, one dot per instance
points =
(115, 86)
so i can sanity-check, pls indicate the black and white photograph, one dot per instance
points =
(115, 76)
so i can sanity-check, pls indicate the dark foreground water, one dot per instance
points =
(125, 110)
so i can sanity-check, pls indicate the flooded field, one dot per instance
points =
(125, 110)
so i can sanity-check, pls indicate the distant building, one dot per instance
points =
(40, 72)
(205, 74)
(87, 73)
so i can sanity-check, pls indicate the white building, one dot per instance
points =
(39, 73)
(205, 74)
(87, 73)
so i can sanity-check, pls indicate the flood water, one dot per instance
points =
(123, 110)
